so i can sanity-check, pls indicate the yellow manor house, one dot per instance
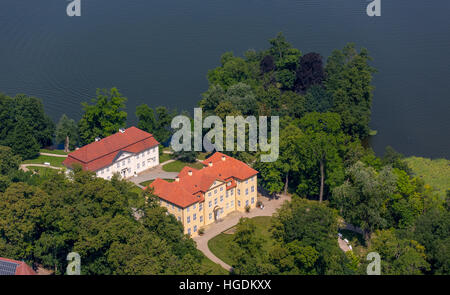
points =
(199, 197)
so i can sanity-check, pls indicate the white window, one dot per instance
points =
(138, 165)
(246, 181)
(215, 191)
(201, 218)
(129, 160)
(143, 164)
(246, 191)
(210, 215)
(253, 188)
(221, 188)
(187, 209)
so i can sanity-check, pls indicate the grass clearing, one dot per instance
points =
(145, 183)
(434, 172)
(220, 245)
(56, 152)
(176, 166)
(165, 157)
(211, 268)
(44, 171)
(54, 161)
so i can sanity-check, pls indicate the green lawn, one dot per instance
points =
(57, 152)
(434, 172)
(164, 157)
(44, 171)
(54, 161)
(145, 183)
(202, 156)
(212, 268)
(176, 166)
(220, 244)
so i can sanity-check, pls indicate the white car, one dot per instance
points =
(46, 163)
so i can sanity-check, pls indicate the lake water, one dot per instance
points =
(158, 52)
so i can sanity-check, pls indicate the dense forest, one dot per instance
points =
(324, 109)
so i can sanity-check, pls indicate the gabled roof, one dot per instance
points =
(193, 183)
(14, 267)
(102, 153)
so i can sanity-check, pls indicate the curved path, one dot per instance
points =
(153, 173)
(212, 230)
(53, 155)
(24, 167)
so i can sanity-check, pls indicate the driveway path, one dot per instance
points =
(212, 230)
(153, 173)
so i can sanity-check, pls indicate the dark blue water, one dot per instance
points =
(158, 52)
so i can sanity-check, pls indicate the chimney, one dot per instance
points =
(210, 164)
(177, 179)
(97, 139)
(122, 130)
(190, 172)
(223, 158)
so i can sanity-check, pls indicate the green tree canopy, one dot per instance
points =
(104, 116)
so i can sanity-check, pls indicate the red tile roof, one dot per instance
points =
(22, 268)
(191, 188)
(99, 154)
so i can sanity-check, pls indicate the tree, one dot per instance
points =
(23, 142)
(361, 199)
(399, 256)
(310, 72)
(431, 229)
(349, 78)
(157, 122)
(267, 64)
(286, 57)
(8, 161)
(104, 117)
(319, 150)
(30, 112)
(395, 159)
(317, 99)
(247, 247)
(308, 230)
(67, 132)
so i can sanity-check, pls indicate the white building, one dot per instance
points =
(127, 152)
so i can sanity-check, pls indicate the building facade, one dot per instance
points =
(127, 152)
(200, 197)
